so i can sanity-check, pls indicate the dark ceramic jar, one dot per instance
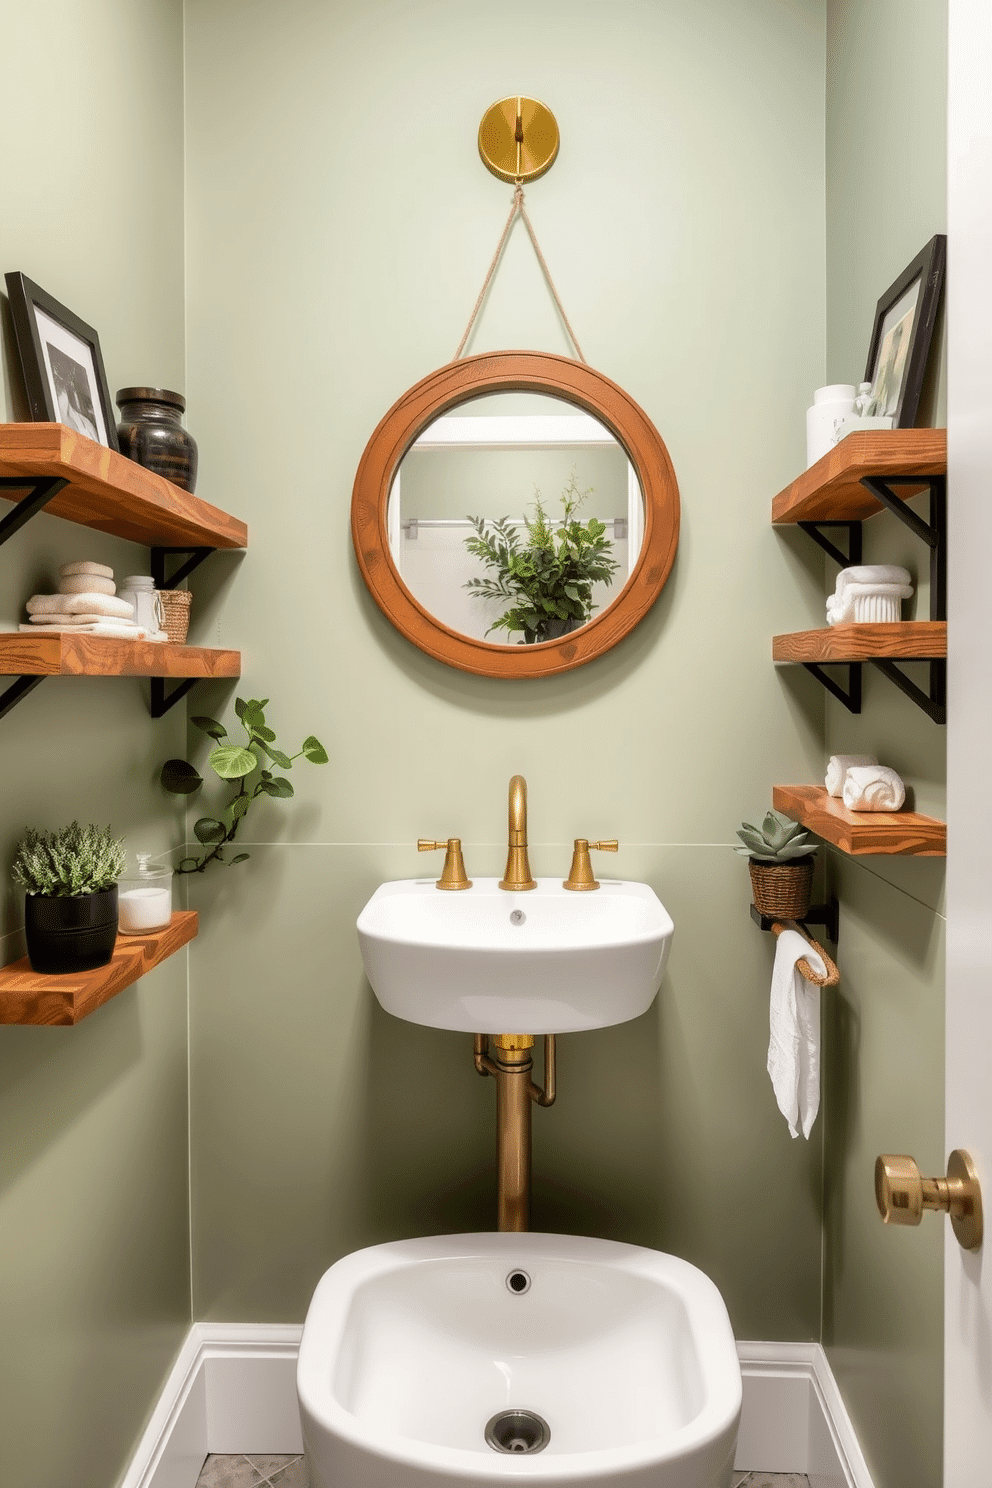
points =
(151, 433)
(70, 934)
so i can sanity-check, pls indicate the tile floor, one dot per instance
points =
(253, 1472)
(291, 1472)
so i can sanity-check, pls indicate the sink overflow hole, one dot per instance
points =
(518, 1431)
(517, 917)
(518, 1282)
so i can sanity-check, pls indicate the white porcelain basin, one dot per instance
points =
(411, 1348)
(485, 960)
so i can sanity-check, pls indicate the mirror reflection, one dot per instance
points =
(515, 518)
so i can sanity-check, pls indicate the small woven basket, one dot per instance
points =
(782, 890)
(175, 613)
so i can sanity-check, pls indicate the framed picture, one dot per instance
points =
(900, 342)
(61, 361)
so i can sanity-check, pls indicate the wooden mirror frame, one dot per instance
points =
(515, 372)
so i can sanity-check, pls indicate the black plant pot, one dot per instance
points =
(70, 934)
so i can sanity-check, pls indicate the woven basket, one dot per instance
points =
(175, 613)
(782, 890)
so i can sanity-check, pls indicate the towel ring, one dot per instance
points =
(803, 967)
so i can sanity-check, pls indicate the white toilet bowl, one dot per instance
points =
(591, 1363)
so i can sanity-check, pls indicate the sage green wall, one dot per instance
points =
(883, 1310)
(339, 226)
(94, 1231)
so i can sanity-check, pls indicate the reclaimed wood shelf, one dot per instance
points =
(831, 490)
(29, 997)
(860, 833)
(905, 640)
(67, 655)
(111, 493)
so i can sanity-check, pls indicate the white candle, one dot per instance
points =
(144, 909)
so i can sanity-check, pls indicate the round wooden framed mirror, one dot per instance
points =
(543, 403)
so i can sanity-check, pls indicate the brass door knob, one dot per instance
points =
(902, 1194)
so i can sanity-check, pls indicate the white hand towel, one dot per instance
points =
(77, 619)
(887, 579)
(86, 584)
(80, 604)
(873, 788)
(794, 1046)
(121, 630)
(99, 569)
(837, 769)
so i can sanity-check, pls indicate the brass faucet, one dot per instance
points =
(517, 874)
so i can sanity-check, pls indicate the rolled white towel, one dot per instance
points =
(838, 766)
(86, 584)
(866, 602)
(80, 604)
(120, 630)
(873, 788)
(873, 573)
(100, 570)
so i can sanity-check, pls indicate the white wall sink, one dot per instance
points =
(486, 960)
(625, 1355)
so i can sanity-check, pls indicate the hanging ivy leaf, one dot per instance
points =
(180, 778)
(314, 751)
(210, 726)
(231, 762)
(208, 831)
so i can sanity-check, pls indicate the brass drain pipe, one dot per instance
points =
(510, 1064)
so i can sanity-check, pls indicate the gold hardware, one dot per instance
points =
(580, 873)
(517, 874)
(902, 1194)
(518, 139)
(511, 1066)
(453, 875)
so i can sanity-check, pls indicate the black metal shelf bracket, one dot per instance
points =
(934, 702)
(171, 581)
(854, 541)
(827, 915)
(160, 702)
(18, 689)
(933, 533)
(40, 492)
(852, 697)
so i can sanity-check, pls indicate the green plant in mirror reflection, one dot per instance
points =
(547, 580)
(243, 765)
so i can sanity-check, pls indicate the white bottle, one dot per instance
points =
(139, 590)
(831, 405)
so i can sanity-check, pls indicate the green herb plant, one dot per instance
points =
(243, 765)
(547, 580)
(70, 862)
(777, 840)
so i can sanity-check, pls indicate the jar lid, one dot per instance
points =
(150, 395)
(137, 581)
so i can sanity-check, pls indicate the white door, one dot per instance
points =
(968, 1276)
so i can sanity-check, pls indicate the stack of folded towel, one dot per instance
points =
(864, 784)
(85, 604)
(872, 593)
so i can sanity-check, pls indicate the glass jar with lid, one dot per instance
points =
(145, 896)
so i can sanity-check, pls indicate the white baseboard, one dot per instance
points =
(233, 1389)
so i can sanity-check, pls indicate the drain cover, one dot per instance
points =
(518, 1431)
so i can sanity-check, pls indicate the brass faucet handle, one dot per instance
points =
(453, 875)
(580, 875)
(902, 1194)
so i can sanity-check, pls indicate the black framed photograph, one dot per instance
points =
(902, 335)
(61, 362)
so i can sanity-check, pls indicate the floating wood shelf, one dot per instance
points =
(111, 493)
(67, 655)
(906, 640)
(27, 996)
(831, 490)
(859, 833)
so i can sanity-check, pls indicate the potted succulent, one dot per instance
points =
(70, 908)
(547, 580)
(780, 862)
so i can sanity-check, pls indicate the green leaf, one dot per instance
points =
(239, 858)
(231, 762)
(239, 707)
(188, 865)
(314, 751)
(179, 777)
(239, 806)
(209, 831)
(210, 726)
(279, 787)
(276, 755)
(261, 732)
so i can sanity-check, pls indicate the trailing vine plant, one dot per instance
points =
(243, 765)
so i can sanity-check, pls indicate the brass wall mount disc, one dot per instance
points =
(518, 139)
